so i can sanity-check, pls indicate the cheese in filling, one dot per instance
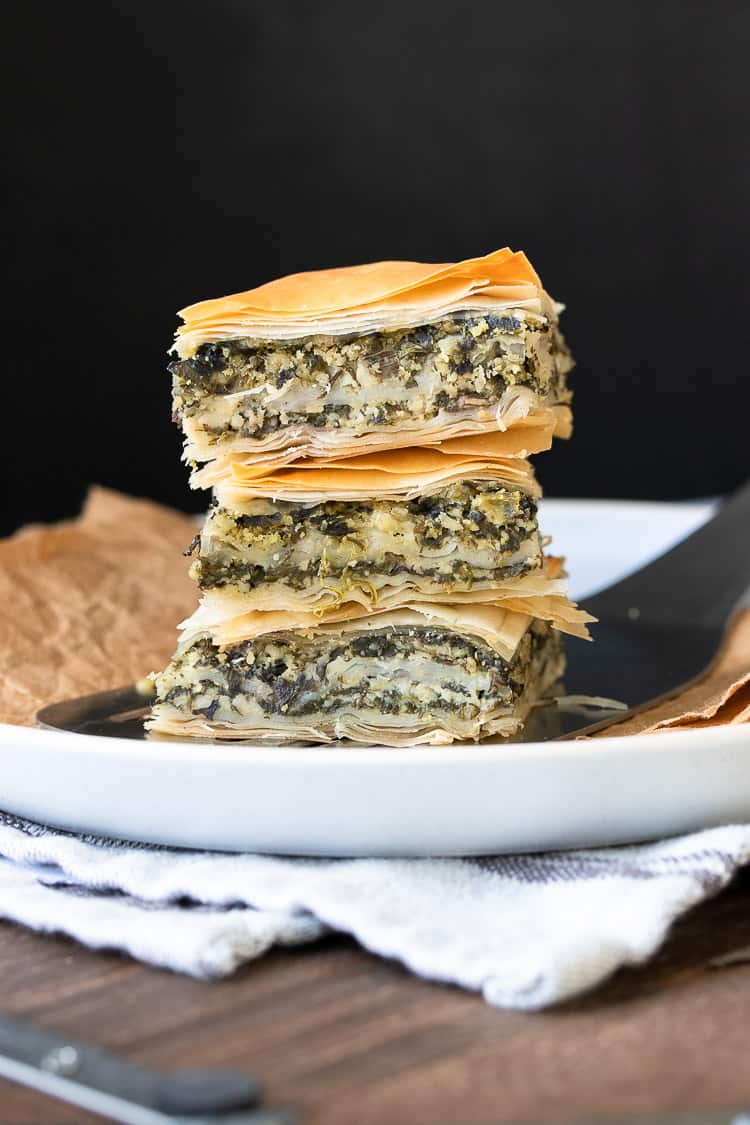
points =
(320, 686)
(466, 533)
(462, 365)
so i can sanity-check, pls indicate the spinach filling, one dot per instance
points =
(466, 532)
(395, 671)
(328, 382)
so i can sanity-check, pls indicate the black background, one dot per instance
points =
(161, 153)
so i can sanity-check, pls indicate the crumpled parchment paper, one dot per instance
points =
(92, 603)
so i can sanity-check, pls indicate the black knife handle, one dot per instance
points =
(698, 581)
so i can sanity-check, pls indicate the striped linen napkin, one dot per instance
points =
(527, 931)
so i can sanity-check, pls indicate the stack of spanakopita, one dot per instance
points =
(371, 566)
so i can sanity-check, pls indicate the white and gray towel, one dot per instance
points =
(526, 930)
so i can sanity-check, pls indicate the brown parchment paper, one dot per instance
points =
(90, 604)
(722, 696)
(94, 603)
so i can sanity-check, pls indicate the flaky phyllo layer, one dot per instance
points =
(227, 618)
(278, 554)
(396, 474)
(393, 354)
(397, 683)
(230, 615)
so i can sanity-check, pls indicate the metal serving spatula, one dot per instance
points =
(658, 630)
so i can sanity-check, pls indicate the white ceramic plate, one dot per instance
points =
(425, 801)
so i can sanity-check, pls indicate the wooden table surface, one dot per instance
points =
(348, 1039)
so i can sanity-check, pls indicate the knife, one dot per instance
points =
(121, 1091)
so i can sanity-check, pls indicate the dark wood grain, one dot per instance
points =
(346, 1038)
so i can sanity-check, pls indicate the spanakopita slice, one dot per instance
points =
(337, 362)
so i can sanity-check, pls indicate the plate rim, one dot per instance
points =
(256, 754)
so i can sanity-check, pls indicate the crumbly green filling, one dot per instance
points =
(466, 532)
(416, 672)
(378, 379)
